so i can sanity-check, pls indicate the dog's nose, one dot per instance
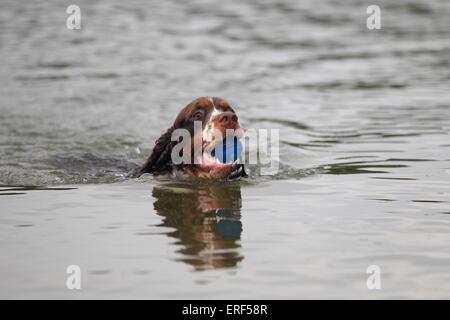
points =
(228, 118)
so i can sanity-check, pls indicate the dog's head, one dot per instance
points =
(218, 120)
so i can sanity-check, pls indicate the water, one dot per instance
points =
(364, 121)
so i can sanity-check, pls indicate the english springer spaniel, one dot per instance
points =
(200, 152)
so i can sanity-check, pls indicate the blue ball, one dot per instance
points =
(228, 150)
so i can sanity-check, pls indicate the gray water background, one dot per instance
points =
(364, 120)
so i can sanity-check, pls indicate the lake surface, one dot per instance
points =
(364, 178)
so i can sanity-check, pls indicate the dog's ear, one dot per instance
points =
(159, 160)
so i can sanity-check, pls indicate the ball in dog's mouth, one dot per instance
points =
(224, 156)
(228, 150)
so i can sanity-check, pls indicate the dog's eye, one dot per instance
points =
(197, 116)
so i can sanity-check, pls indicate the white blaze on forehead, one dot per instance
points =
(207, 132)
(210, 133)
(216, 111)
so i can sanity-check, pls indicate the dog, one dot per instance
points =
(215, 115)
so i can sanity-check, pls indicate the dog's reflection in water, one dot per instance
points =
(206, 219)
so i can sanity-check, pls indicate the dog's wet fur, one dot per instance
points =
(214, 114)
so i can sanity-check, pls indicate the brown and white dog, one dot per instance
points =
(215, 114)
